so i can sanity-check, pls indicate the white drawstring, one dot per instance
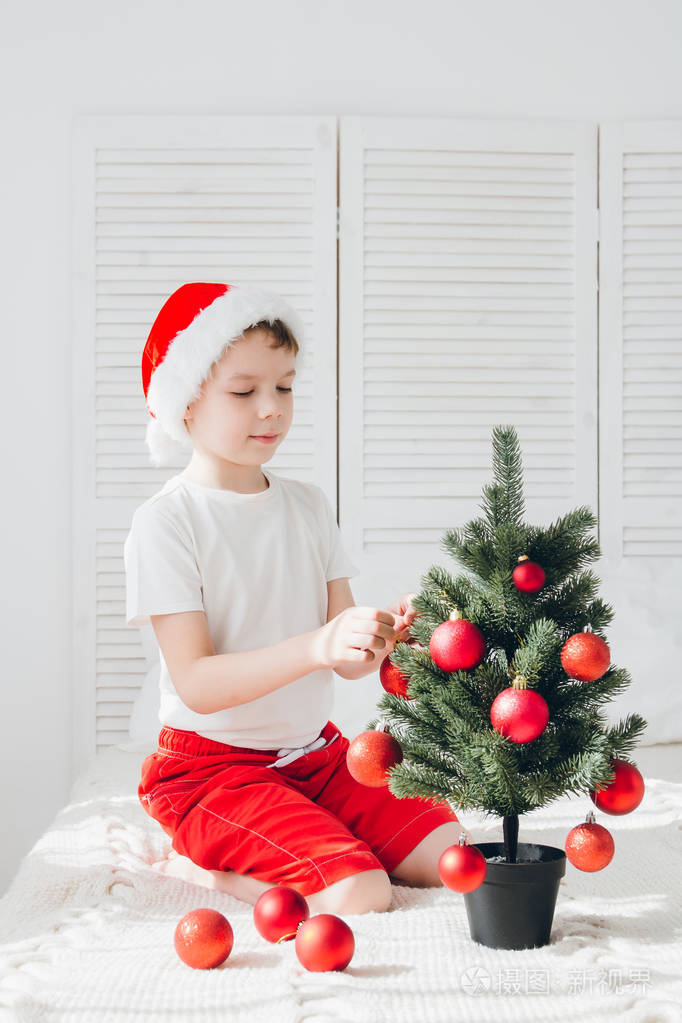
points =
(288, 754)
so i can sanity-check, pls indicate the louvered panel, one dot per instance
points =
(468, 299)
(641, 541)
(120, 663)
(157, 202)
(641, 325)
(238, 190)
(432, 289)
(652, 387)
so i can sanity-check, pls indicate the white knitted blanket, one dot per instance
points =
(86, 932)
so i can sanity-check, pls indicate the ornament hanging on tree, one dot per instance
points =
(324, 942)
(585, 656)
(462, 867)
(519, 713)
(528, 576)
(203, 938)
(279, 912)
(371, 755)
(589, 846)
(624, 793)
(457, 644)
(392, 678)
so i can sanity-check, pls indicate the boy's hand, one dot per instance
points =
(405, 614)
(357, 636)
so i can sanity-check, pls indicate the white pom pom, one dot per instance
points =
(164, 450)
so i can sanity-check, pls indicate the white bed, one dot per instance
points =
(86, 928)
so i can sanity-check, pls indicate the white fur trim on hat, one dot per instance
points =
(176, 382)
(164, 449)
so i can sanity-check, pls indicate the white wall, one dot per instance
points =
(577, 60)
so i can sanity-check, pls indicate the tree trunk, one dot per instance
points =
(510, 830)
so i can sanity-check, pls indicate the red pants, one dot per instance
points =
(305, 824)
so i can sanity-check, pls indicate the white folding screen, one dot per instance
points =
(640, 329)
(468, 255)
(158, 201)
(468, 297)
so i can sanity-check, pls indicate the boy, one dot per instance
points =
(244, 578)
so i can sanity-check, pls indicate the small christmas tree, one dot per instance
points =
(508, 670)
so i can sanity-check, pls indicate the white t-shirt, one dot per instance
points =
(258, 566)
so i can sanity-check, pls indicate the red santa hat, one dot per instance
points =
(194, 328)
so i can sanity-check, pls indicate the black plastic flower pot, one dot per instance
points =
(514, 907)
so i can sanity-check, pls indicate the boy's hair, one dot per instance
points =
(282, 336)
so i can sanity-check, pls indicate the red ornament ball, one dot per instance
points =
(278, 913)
(203, 938)
(392, 678)
(519, 714)
(324, 942)
(457, 645)
(585, 656)
(371, 755)
(462, 867)
(624, 793)
(528, 576)
(589, 846)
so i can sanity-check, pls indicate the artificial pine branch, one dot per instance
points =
(623, 736)
(503, 501)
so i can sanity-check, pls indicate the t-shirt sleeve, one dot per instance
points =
(162, 575)
(339, 564)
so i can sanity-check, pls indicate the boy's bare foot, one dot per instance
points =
(175, 865)
(240, 886)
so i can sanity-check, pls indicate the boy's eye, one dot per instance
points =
(243, 394)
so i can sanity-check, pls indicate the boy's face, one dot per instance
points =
(230, 412)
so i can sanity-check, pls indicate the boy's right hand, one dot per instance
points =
(358, 635)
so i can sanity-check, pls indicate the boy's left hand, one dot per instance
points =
(404, 615)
